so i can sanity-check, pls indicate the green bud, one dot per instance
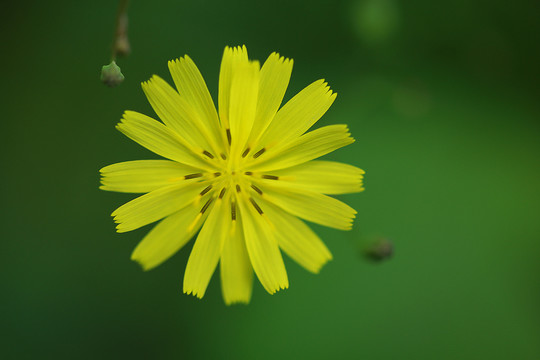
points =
(380, 249)
(111, 75)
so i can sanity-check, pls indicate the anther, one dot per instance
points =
(208, 154)
(223, 156)
(233, 211)
(205, 207)
(193, 176)
(270, 177)
(222, 193)
(217, 174)
(229, 138)
(207, 189)
(244, 154)
(257, 189)
(256, 206)
(248, 173)
(238, 188)
(259, 153)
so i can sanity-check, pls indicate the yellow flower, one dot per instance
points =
(243, 177)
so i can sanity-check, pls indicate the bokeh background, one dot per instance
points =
(443, 100)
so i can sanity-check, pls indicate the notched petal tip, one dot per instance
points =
(144, 266)
(105, 169)
(193, 293)
(317, 270)
(120, 229)
(278, 287)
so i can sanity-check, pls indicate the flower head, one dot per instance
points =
(244, 176)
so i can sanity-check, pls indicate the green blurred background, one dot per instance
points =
(442, 98)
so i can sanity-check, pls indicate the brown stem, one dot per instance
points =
(120, 42)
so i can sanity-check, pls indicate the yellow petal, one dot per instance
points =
(177, 113)
(243, 103)
(311, 206)
(232, 57)
(275, 76)
(299, 114)
(327, 177)
(155, 205)
(192, 87)
(307, 147)
(156, 137)
(141, 176)
(263, 249)
(297, 240)
(207, 250)
(236, 270)
(167, 237)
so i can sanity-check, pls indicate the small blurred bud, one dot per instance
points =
(380, 249)
(111, 75)
(375, 21)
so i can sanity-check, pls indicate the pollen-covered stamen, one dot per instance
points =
(229, 138)
(233, 211)
(244, 154)
(193, 176)
(206, 205)
(259, 153)
(206, 190)
(259, 191)
(222, 193)
(270, 177)
(205, 152)
(256, 206)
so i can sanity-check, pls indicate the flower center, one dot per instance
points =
(234, 179)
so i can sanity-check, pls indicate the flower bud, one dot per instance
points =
(380, 249)
(111, 75)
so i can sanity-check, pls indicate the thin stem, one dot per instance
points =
(120, 41)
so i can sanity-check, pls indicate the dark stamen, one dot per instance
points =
(229, 139)
(233, 211)
(205, 207)
(244, 154)
(207, 189)
(248, 173)
(270, 177)
(208, 154)
(259, 210)
(193, 176)
(223, 156)
(217, 174)
(222, 193)
(256, 189)
(238, 188)
(259, 153)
